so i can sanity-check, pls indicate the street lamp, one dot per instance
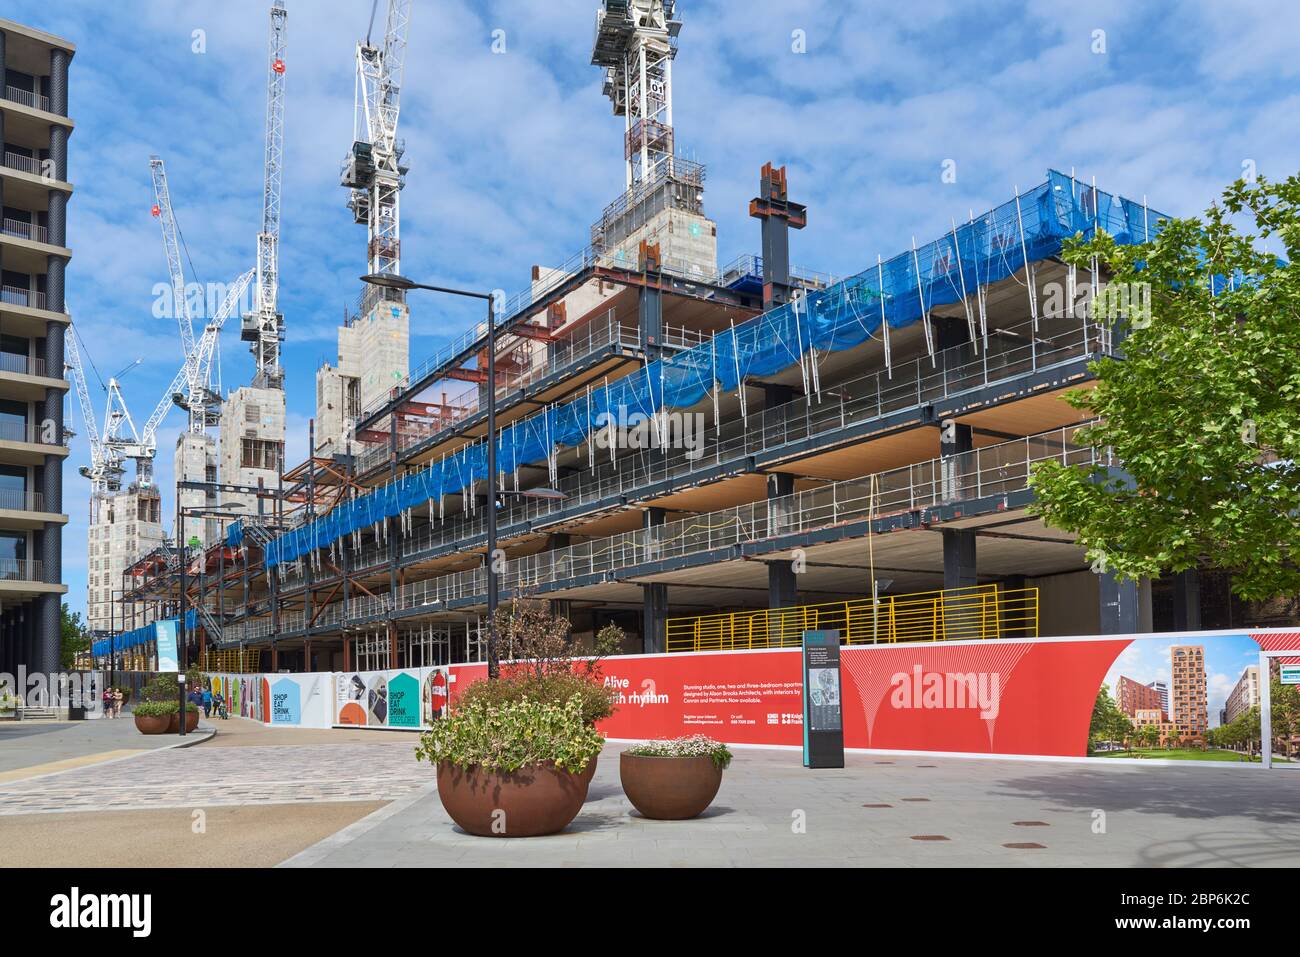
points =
(394, 281)
(216, 511)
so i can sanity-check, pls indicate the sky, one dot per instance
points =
(514, 153)
(1226, 657)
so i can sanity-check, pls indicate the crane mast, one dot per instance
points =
(264, 326)
(373, 170)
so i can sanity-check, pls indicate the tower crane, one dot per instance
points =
(141, 446)
(199, 395)
(373, 170)
(264, 326)
(105, 470)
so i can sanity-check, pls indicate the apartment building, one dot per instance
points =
(1244, 695)
(1133, 696)
(1190, 715)
(34, 253)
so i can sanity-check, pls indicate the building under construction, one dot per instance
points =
(708, 456)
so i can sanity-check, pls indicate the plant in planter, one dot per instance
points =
(673, 779)
(512, 769)
(155, 717)
(543, 663)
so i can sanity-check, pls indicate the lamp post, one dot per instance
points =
(394, 281)
(219, 511)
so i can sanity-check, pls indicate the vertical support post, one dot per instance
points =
(654, 597)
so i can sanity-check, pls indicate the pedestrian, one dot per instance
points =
(108, 703)
(207, 702)
(118, 699)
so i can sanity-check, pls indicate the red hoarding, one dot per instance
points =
(993, 697)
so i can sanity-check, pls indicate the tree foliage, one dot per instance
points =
(1202, 413)
(73, 637)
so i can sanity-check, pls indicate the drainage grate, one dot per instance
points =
(884, 762)
(1031, 824)
(1027, 846)
(916, 799)
(877, 805)
(928, 837)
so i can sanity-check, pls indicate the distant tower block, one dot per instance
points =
(196, 461)
(252, 443)
(374, 359)
(636, 41)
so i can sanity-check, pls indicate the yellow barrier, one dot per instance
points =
(977, 612)
(232, 661)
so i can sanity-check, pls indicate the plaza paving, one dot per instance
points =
(902, 811)
(349, 798)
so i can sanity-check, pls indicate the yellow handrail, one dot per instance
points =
(976, 612)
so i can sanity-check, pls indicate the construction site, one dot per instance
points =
(711, 455)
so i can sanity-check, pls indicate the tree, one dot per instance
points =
(1108, 722)
(1202, 413)
(74, 637)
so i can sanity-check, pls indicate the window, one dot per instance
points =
(260, 454)
(13, 546)
(13, 353)
(13, 420)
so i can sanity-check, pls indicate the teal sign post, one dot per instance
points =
(1289, 674)
(823, 715)
(165, 634)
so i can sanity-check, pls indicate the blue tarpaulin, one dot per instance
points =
(900, 291)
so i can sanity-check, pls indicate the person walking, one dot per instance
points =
(108, 703)
(207, 702)
(118, 700)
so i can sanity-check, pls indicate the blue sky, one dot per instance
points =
(513, 155)
(1226, 657)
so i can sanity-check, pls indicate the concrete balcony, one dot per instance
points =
(25, 510)
(24, 378)
(22, 579)
(22, 443)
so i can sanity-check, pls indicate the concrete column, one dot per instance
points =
(959, 569)
(59, 60)
(654, 599)
(1119, 605)
(782, 585)
(962, 617)
(1187, 600)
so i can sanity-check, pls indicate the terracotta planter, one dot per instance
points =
(535, 800)
(152, 723)
(669, 789)
(191, 722)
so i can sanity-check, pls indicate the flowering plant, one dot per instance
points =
(691, 746)
(507, 736)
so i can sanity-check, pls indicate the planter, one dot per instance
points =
(669, 789)
(535, 800)
(153, 723)
(191, 722)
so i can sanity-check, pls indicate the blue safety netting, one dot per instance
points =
(126, 640)
(235, 534)
(898, 291)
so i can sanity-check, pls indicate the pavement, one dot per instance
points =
(30, 748)
(300, 797)
(264, 793)
(884, 811)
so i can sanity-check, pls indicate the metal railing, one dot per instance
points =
(989, 471)
(17, 296)
(22, 569)
(25, 164)
(25, 365)
(19, 500)
(508, 313)
(590, 338)
(27, 98)
(22, 230)
(973, 613)
(853, 403)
